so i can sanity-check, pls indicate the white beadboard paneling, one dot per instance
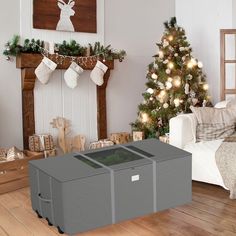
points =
(48, 104)
(77, 105)
(80, 107)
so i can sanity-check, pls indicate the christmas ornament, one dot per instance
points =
(177, 102)
(98, 72)
(189, 77)
(186, 88)
(182, 49)
(160, 85)
(176, 54)
(154, 76)
(200, 65)
(45, 70)
(166, 61)
(170, 79)
(150, 90)
(72, 74)
(165, 105)
(168, 85)
(168, 71)
(155, 66)
(204, 103)
(192, 94)
(165, 43)
(161, 54)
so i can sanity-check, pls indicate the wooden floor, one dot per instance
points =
(210, 213)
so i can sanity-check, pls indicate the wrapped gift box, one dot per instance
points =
(39, 143)
(101, 143)
(120, 138)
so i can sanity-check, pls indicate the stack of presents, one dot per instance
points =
(45, 144)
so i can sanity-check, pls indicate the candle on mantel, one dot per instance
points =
(51, 47)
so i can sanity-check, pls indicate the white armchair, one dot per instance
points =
(183, 135)
(183, 130)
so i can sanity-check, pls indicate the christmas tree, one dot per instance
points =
(175, 82)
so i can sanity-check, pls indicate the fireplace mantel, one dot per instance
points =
(29, 62)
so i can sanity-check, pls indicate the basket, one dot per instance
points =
(14, 174)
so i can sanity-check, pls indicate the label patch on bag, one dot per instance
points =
(135, 178)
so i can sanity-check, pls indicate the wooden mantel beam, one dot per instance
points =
(28, 63)
(28, 78)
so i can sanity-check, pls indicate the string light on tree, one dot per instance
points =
(200, 65)
(144, 117)
(190, 64)
(205, 87)
(194, 62)
(170, 38)
(177, 81)
(170, 65)
(162, 94)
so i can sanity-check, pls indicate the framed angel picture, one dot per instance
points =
(65, 15)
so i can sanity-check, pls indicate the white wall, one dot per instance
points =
(135, 26)
(10, 92)
(202, 21)
(233, 13)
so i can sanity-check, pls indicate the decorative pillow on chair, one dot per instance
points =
(231, 104)
(214, 123)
